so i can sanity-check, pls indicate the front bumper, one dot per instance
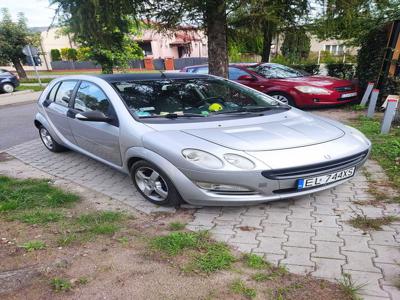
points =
(263, 189)
(335, 98)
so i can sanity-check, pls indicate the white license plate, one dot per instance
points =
(348, 95)
(304, 183)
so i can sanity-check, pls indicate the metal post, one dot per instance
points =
(389, 115)
(34, 65)
(319, 57)
(372, 103)
(367, 93)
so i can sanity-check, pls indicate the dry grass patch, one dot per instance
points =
(365, 223)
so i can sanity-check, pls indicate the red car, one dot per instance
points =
(288, 85)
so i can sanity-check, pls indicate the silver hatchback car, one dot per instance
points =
(198, 138)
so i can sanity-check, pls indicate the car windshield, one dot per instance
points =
(194, 97)
(277, 71)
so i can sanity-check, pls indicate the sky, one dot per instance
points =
(38, 12)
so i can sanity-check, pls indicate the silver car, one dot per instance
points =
(198, 138)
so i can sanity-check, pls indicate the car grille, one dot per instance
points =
(315, 169)
(345, 88)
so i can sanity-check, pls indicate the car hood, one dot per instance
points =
(301, 131)
(320, 81)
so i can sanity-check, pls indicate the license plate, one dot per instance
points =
(348, 95)
(304, 183)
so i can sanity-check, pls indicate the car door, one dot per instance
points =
(243, 77)
(57, 106)
(98, 138)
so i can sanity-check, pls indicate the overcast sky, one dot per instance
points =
(38, 12)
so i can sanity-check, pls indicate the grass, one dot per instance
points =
(103, 222)
(385, 148)
(17, 195)
(349, 287)
(33, 246)
(217, 256)
(274, 273)
(175, 226)
(60, 284)
(365, 223)
(38, 217)
(239, 287)
(175, 242)
(35, 88)
(34, 80)
(255, 262)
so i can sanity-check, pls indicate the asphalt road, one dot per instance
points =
(16, 124)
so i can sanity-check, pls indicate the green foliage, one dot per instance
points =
(390, 87)
(104, 222)
(175, 242)
(102, 28)
(255, 262)
(217, 256)
(69, 54)
(13, 37)
(83, 54)
(33, 246)
(239, 287)
(309, 68)
(386, 148)
(38, 217)
(55, 55)
(176, 226)
(340, 70)
(18, 194)
(60, 284)
(365, 223)
(296, 45)
(370, 56)
(350, 288)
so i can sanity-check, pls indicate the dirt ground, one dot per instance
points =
(121, 266)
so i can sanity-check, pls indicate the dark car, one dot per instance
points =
(8, 81)
(288, 85)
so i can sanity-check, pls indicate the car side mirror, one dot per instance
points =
(246, 78)
(93, 116)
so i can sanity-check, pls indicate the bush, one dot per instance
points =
(83, 54)
(55, 55)
(72, 54)
(309, 68)
(64, 53)
(340, 70)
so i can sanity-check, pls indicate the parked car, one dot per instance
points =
(198, 138)
(8, 81)
(288, 85)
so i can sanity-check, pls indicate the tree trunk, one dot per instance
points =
(268, 31)
(18, 67)
(217, 37)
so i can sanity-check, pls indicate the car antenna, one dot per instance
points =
(162, 74)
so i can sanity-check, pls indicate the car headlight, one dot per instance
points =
(306, 89)
(202, 158)
(239, 161)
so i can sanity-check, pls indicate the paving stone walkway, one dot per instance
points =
(308, 235)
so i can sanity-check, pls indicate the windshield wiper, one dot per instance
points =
(245, 110)
(174, 116)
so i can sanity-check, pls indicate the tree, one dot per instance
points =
(210, 15)
(102, 27)
(296, 45)
(13, 37)
(265, 19)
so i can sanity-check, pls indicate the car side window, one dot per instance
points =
(201, 70)
(235, 73)
(64, 92)
(90, 97)
(52, 95)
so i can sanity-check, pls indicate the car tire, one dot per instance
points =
(154, 185)
(283, 97)
(49, 142)
(7, 88)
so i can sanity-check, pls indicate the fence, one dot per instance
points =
(159, 64)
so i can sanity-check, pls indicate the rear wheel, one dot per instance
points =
(48, 141)
(7, 88)
(283, 97)
(154, 184)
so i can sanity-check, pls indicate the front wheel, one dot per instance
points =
(7, 88)
(49, 142)
(154, 184)
(283, 97)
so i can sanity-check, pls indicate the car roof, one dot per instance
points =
(149, 76)
(230, 65)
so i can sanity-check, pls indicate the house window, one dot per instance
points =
(146, 47)
(335, 49)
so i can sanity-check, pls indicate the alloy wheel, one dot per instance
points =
(281, 98)
(8, 88)
(151, 184)
(46, 138)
